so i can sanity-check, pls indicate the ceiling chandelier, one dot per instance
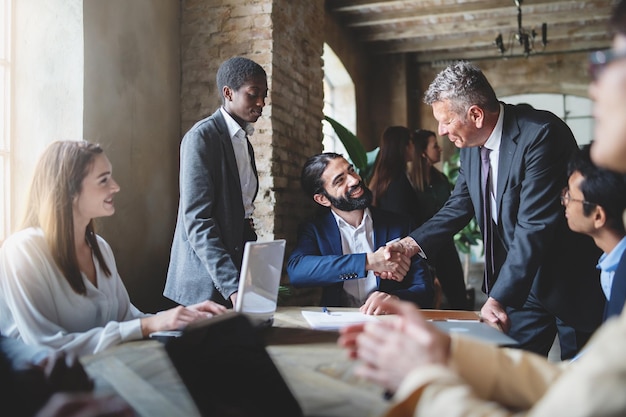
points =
(524, 37)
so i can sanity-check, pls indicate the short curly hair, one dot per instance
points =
(235, 72)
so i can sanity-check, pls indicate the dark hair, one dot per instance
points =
(391, 160)
(311, 177)
(618, 18)
(464, 85)
(601, 187)
(235, 72)
(421, 170)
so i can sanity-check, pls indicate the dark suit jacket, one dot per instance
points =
(615, 305)
(318, 260)
(208, 242)
(536, 249)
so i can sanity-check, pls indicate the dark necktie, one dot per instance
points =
(487, 222)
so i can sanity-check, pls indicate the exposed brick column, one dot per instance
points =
(286, 37)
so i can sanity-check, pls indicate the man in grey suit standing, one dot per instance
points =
(538, 274)
(218, 185)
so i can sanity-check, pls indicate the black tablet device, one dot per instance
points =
(226, 369)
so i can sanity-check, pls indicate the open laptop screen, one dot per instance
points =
(259, 280)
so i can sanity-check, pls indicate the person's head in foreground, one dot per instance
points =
(608, 91)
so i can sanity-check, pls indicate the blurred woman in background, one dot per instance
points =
(432, 190)
(390, 185)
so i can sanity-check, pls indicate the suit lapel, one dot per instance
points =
(253, 163)
(227, 145)
(470, 161)
(508, 145)
(332, 231)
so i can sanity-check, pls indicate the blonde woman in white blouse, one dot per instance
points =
(59, 284)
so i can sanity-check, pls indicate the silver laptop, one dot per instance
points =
(257, 296)
(476, 330)
(259, 280)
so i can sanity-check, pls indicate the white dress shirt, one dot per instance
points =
(493, 143)
(358, 239)
(38, 305)
(247, 178)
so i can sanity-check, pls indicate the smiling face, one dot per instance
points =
(97, 190)
(609, 95)
(343, 187)
(246, 104)
(462, 129)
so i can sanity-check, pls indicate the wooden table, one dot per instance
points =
(318, 371)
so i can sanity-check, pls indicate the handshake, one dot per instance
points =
(393, 260)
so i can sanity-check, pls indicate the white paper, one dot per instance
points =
(335, 320)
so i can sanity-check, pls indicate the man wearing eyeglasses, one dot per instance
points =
(594, 202)
(433, 373)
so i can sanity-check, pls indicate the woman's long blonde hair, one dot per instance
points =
(57, 181)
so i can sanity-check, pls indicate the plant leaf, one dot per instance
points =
(353, 145)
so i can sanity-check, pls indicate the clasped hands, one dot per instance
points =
(389, 350)
(391, 261)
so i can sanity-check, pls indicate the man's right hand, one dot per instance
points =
(394, 267)
(406, 247)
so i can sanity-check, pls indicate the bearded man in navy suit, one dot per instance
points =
(537, 276)
(343, 249)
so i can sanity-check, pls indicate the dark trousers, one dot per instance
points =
(449, 271)
(535, 329)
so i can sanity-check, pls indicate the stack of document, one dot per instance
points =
(335, 320)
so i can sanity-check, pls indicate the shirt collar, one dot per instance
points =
(233, 126)
(493, 142)
(609, 261)
(367, 218)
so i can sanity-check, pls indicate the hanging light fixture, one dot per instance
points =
(524, 37)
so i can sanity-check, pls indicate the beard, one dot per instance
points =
(348, 203)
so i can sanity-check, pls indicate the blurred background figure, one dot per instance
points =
(432, 190)
(391, 188)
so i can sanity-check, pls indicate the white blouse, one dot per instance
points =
(38, 305)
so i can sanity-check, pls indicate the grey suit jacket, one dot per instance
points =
(208, 242)
(537, 250)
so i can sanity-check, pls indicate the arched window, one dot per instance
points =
(339, 100)
(575, 111)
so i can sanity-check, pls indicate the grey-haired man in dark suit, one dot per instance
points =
(537, 271)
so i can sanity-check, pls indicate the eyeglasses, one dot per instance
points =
(566, 198)
(598, 61)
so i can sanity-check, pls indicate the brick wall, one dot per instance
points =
(290, 130)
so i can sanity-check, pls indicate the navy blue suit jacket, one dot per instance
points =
(318, 260)
(536, 249)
